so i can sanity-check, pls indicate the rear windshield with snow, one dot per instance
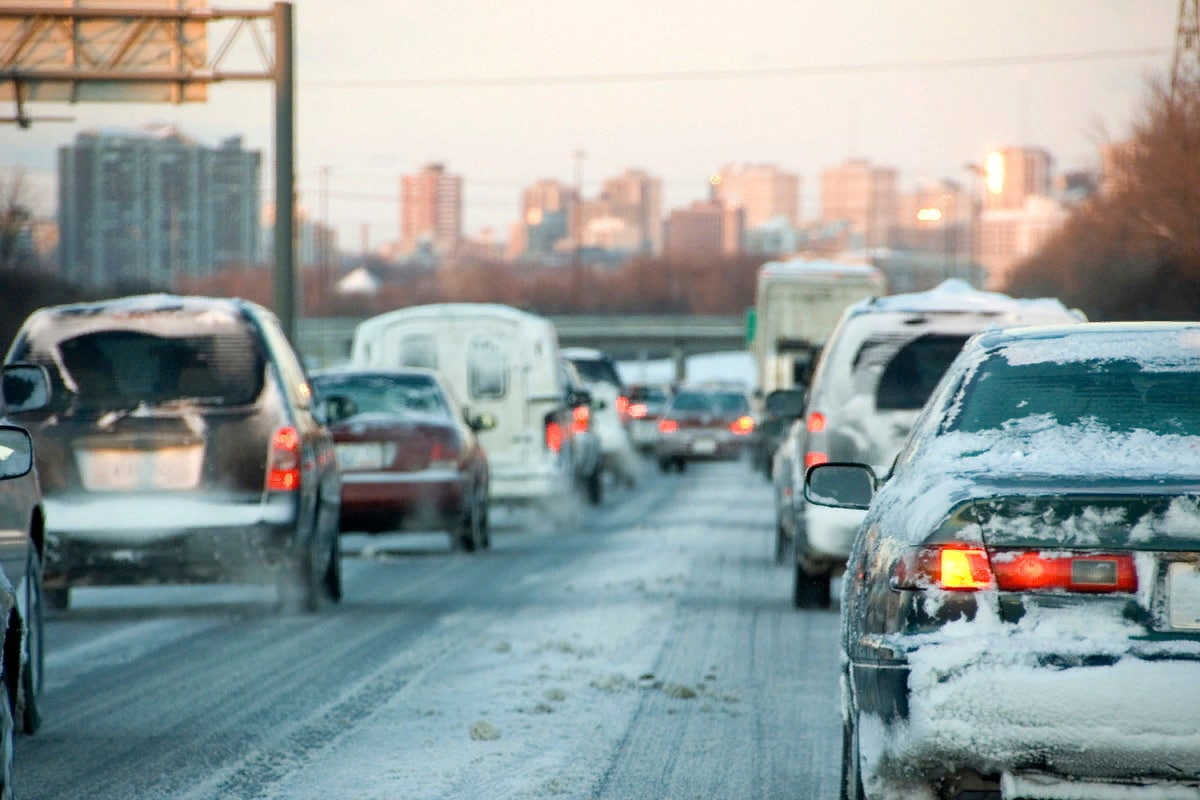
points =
(1115, 394)
(399, 395)
(152, 359)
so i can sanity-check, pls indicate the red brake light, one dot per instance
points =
(1073, 572)
(554, 436)
(444, 454)
(953, 567)
(812, 458)
(637, 410)
(283, 461)
(667, 426)
(622, 406)
(580, 417)
(742, 425)
(816, 422)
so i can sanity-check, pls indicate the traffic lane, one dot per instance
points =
(660, 618)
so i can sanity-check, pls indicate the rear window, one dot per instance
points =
(165, 358)
(487, 369)
(692, 401)
(1116, 395)
(730, 403)
(597, 370)
(914, 371)
(383, 394)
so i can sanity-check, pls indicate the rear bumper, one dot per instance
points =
(999, 712)
(378, 500)
(138, 539)
(701, 447)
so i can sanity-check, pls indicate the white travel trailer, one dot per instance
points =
(500, 361)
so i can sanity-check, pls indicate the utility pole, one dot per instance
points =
(577, 254)
(323, 271)
(1185, 66)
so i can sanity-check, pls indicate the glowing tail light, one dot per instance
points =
(623, 406)
(742, 426)
(667, 426)
(951, 567)
(554, 436)
(637, 410)
(283, 461)
(961, 568)
(812, 458)
(1072, 572)
(816, 422)
(580, 417)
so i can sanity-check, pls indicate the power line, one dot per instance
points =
(731, 74)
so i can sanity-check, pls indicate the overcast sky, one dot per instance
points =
(676, 87)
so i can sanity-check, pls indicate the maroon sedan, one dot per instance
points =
(408, 454)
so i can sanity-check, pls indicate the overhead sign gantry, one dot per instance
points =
(157, 51)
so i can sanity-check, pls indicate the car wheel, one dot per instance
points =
(595, 487)
(781, 544)
(851, 785)
(299, 587)
(680, 465)
(467, 536)
(33, 667)
(333, 570)
(58, 598)
(664, 465)
(485, 533)
(810, 589)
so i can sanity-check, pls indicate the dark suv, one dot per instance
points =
(180, 445)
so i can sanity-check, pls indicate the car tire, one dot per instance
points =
(33, 668)
(595, 487)
(485, 533)
(810, 589)
(664, 466)
(851, 783)
(680, 465)
(469, 536)
(58, 598)
(332, 582)
(781, 544)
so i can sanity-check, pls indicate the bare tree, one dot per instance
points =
(16, 218)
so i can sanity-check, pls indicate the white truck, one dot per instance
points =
(797, 304)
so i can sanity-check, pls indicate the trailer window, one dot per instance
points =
(418, 350)
(487, 370)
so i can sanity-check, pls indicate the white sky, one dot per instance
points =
(927, 121)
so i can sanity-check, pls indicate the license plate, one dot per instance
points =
(1183, 595)
(168, 468)
(360, 455)
(704, 446)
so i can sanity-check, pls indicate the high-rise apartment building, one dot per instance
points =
(705, 229)
(764, 191)
(431, 210)
(1012, 174)
(547, 217)
(863, 196)
(635, 198)
(152, 206)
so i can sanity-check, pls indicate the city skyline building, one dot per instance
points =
(863, 195)
(151, 205)
(431, 210)
(763, 190)
(704, 229)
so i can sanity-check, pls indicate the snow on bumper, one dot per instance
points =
(1110, 717)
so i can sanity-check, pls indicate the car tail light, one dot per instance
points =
(816, 422)
(742, 425)
(554, 436)
(580, 417)
(444, 455)
(958, 567)
(813, 457)
(637, 410)
(623, 406)
(667, 426)
(1072, 572)
(283, 461)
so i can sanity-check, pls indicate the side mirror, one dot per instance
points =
(840, 485)
(25, 387)
(16, 452)
(785, 403)
(481, 422)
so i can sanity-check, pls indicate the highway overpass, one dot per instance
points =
(326, 341)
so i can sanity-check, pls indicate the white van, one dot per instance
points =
(501, 361)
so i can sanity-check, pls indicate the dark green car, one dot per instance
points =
(1021, 606)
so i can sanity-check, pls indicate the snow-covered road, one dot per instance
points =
(653, 652)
